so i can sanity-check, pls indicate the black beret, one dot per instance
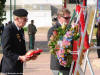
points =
(20, 12)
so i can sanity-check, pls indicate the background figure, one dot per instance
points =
(98, 38)
(1, 31)
(9, 22)
(31, 32)
(54, 26)
(63, 16)
(6, 24)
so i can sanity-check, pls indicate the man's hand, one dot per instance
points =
(33, 57)
(23, 58)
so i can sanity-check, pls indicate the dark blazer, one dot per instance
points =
(54, 63)
(13, 44)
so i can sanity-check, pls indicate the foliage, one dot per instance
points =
(2, 11)
(25, 28)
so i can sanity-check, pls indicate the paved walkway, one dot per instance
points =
(41, 39)
(41, 66)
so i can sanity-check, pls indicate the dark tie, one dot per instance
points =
(21, 33)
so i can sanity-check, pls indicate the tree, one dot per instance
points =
(2, 11)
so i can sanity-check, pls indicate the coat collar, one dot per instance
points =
(16, 27)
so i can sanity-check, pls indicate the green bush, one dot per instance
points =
(25, 28)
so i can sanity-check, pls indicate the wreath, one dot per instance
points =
(61, 41)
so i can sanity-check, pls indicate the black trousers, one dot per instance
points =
(31, 41)
(98, 44)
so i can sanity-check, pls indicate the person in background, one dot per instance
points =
(13, 44)
(9, 22)
(98, 38)
(63, 16)
(31, 32)
(54, 26)
(6, 24)
(1, 31)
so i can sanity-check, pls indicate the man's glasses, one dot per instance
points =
(22, 19)
(25, 19)
(66, 18)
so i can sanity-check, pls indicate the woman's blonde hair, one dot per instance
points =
(61, 12)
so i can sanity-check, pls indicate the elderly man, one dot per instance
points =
(13, 44)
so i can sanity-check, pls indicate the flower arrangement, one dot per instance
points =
(60, 43)
(31, 53)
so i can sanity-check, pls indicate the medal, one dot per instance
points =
(18, 37)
